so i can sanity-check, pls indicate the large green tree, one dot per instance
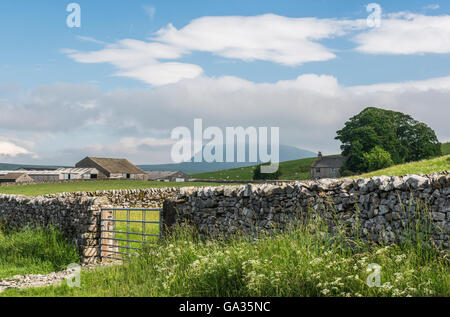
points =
(404, 138)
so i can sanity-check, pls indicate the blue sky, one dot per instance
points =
(106, 89)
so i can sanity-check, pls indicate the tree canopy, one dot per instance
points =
(396, 133)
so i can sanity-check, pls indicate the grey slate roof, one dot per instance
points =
(332, 162)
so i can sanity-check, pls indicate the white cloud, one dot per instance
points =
(137, 123)
(90, 39)
(269, 37)
(434, 84)
(9, 149)
(140, 60)
(159, 74)
(432, 7)
(407, 33)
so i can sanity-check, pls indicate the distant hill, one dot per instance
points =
(12, 167)
(290, 170)
(287, 153)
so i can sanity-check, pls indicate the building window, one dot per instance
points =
(317, 170)
(334, 171)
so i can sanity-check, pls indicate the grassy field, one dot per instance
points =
(438, 164)
(291, 170)
(34, 251)
(54, 188)
(300, 170)
(300, 262)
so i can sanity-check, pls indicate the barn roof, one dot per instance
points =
(75, 170)
(116, 166)
(12, 176)
(332, 162)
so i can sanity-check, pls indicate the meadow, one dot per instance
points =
(90, 186)
(430, 166)
(34, 251)
(303, 261)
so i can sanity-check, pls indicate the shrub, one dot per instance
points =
(377, 159)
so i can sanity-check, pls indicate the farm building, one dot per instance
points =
(167, 176)
(53, 175)
(16, 178)
(77, 173)
(327, 167)
(37, 175)
(113, 168)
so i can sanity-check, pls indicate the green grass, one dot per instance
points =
(291, 170)
(34, 251)
(54, 188)
(134, 227)
(300, 169)
(438, 164)
(445, 148)
(300, 262)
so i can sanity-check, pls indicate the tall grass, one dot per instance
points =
(304, 261)
(34, 251)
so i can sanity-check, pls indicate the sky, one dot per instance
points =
(132, 71)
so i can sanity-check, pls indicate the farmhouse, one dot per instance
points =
(327, 167)
(16, 178)
(168, 176)
(113, 168)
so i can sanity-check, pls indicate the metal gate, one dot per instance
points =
(123, 231)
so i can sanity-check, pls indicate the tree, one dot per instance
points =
(377, 159)
(404, 138)
(257, 175)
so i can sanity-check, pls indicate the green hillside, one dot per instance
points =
(300, 169)
(438, 164)
(291, 170)
(445, 147)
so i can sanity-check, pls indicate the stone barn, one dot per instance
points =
(327, 167)
(168, 176)
(16, 178)
(113, 168)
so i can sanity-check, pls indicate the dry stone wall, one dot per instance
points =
(378, 209)
(381, 209)
(77, 214)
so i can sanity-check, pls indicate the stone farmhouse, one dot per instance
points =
(168, 176)
(113, 168)
(327, 167)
